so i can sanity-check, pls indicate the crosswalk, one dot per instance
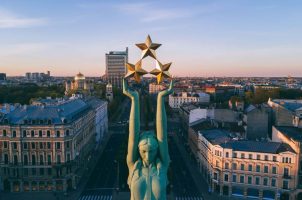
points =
(188, 198)
(96, 197)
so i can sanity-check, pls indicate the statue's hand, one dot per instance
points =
(167, 91)
(130, 93)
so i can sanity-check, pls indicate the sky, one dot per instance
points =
(199, 37)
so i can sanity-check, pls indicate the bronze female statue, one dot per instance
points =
(148, 156)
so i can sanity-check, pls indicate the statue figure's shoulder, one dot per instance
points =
(135, 171)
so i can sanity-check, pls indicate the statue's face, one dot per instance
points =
(148, 147)
(148, 154)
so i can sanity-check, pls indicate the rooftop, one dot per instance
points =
(68, 110)
(216, 136)
(291, 132)
(291, 105)
(254, 146)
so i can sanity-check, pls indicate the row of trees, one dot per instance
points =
(262, 95)
(24, 93)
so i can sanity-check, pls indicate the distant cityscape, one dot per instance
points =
(238, 137)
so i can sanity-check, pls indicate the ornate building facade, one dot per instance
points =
(47, 147)
(249, 169)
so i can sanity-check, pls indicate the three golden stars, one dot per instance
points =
(148, 49)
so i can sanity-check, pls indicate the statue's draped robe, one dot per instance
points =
(148, 183)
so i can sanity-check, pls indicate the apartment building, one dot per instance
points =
(47, 147)
(177, 99)
(248, 169)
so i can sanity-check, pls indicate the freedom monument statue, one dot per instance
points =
(148, 155)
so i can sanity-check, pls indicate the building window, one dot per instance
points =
(41, 145)
(234, 166)
(257, 168)
(226, 177)
(242, 155)
(274, 170)
(24, 133)
(234, 178)
(41, 160)
(241, 179)
(266, 157)
(217, 163)
(49, 159)
(242, 166)
(48, 145)
(265, 170)
(14, 134)
(25, 145)
(5, 159)
(15, 160)
(226, 165)
(273, 182)
(234, 155)
(227, 154)
(265, 181)
(250, 167)
(5, 145)
(274, 158)
(67, 145)
(33, 145)
(215, 176)
(258, 157)
(32, 133)
(67, 132)
(58, 146)
(48, 133)
(25, 160)
(34, 171)
(257, 181)
(40, 133)
(286, 172)
(249, 180)
(33, 160)
(285, 184)
(4, 133)
(14, 145)
(58, 134)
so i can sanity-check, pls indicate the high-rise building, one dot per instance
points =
(2, 76)
(116, 67)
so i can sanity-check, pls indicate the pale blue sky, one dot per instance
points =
(200, 37)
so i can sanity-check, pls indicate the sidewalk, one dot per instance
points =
(197, 177)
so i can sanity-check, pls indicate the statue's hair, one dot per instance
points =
(148, 138)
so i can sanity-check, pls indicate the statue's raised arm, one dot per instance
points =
(134, 125)
(161, 125)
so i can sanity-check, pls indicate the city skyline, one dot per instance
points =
(208, 38)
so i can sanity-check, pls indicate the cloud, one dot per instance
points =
(11, 20)
(150, 12)
(27, 48)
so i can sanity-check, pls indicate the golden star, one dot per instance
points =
(148, 48)
(161, 71)
(135, 71)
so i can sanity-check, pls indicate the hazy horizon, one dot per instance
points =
(227, 38)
